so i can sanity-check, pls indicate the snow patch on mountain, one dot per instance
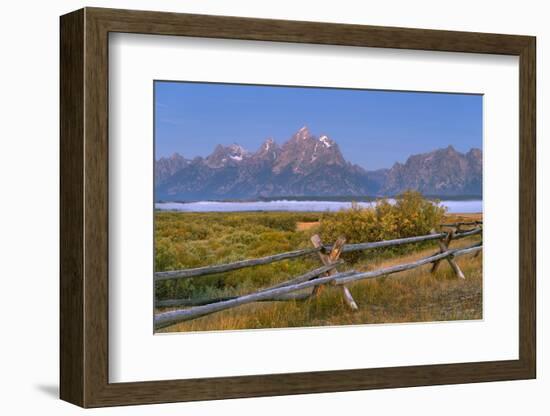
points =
(326, 141)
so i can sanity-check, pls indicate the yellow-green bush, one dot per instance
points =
(410, 215)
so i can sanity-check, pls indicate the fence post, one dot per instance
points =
(479, 252)
(330, 259)
(443, 247)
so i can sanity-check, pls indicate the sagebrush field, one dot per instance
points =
(189, 240)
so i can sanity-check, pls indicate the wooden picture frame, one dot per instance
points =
(84, 207)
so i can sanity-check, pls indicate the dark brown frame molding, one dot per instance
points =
(84, 209)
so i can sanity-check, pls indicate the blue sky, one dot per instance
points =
(374, 129)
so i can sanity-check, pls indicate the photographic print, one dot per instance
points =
(290, 206)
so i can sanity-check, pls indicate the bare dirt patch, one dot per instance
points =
(303, 226)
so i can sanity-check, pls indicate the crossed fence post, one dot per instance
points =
(443, 247)
(329, 259)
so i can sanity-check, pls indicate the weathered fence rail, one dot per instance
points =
(459, 224)
(299, 279)
(222, 268)
(314, 280)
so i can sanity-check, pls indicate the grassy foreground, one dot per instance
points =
(186, 240)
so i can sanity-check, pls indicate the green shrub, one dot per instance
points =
(165, 255)
(410, 215)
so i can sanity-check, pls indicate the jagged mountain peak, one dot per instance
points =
(474, 152)
(237, 149)
(167, 166)
(268, 144)
(226, 155)
(304, 153)
(444, 171)
(269, 150)
(176, 156)
(302, 134)
(449, 151)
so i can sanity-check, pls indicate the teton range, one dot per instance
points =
(312, 166)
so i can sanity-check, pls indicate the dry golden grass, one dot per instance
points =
(458, 217)
(411, 296)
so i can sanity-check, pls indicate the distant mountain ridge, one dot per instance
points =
(440, 172)
(307, 165)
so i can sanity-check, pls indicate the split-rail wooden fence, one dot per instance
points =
(316, 279)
